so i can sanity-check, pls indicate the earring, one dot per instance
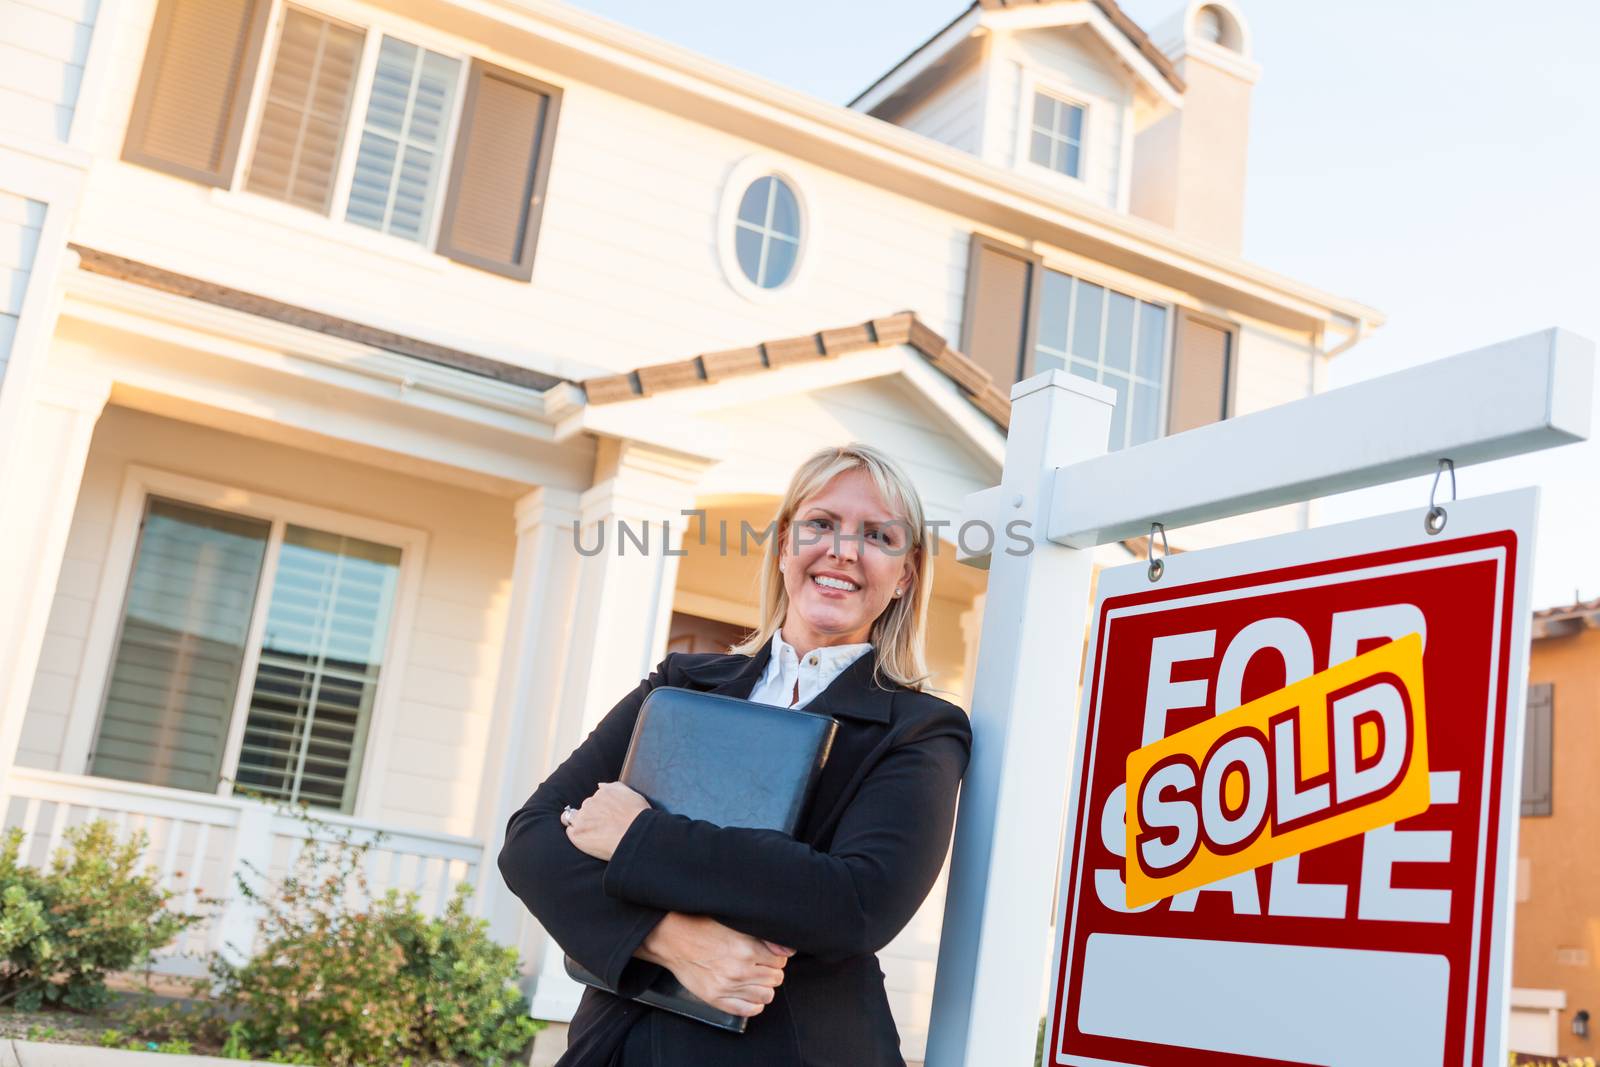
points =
(897, 592)
(780, 566)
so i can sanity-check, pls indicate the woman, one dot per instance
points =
(782, 931)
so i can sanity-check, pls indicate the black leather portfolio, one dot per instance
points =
(726, 761)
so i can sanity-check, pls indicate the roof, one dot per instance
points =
(1118, 18)
(1109, 8)
(97, 262)
(900, 329)
(1565, 621)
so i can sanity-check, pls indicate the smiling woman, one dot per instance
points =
(783, 931)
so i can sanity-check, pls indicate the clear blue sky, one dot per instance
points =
(1437, 160)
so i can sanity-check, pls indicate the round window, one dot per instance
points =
(766, 235)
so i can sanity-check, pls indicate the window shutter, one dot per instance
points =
(170, 697)
(1202, 374)
(189, 112)
(307, 107)
(1537, 751)
(998, 325)
(502, 163)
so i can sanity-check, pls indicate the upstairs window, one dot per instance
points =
(446, 152)
(1056, 141)
(767, 232)
(307, 106)
(1172, 369)
(402, 139)
(1111, 338)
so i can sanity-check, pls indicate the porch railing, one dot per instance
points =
(198, 843)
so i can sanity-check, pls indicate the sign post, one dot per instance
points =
(1520, 396)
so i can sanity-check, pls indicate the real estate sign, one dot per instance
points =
(1293, 810)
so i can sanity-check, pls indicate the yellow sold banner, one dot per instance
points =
(1329, 757)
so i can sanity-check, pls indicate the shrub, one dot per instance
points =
(94, 911)
(341, 977)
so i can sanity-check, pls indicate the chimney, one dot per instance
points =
(1189, 166)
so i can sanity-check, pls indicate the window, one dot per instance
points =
(397, 166)
(332, 598)
(1108, 337)
(767, 232)
(1538, 752)
(178, 684)
(408, 160)
(1056, 139)
(307, 106)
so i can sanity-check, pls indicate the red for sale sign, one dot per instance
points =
(1293, 810)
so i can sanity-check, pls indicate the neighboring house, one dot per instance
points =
(328, 324)
(1557, 924)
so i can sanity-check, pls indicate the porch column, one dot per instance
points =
(39, 481)
(544, 581)
(630, 538)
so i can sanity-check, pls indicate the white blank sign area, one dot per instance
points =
(1334, 1006)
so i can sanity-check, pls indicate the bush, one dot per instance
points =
(92, 912)
(343, 978)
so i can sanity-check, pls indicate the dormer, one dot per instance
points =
(1056, 90)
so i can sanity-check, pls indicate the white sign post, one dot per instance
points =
(1523, 395)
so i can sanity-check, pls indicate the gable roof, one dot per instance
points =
(903, 328)
(1114, 14)
(1120, 19)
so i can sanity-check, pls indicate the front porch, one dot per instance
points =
(336, 575)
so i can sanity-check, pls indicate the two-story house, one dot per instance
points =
(337, 333)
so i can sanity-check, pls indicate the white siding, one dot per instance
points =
(439, 733)
(20, 221)
(1070, 62)
(952, 113)
(42, 54)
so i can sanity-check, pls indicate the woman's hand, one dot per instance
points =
(598, 826)
(732, 972)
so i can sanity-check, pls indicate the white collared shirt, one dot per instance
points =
(785, 669)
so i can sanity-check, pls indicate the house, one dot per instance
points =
(1556, 957)
(333, 330)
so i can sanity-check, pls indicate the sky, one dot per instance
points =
(1436, 159)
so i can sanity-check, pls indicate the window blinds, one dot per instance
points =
(327, 625)
(308, 104)
(397, 165)
(175, 674)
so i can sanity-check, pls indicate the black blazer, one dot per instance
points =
(867, 852)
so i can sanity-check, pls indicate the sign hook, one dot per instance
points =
(1157, 566)
(1433, 522)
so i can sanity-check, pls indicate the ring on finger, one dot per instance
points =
(566, 815)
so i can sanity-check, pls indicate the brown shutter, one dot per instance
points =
(1202, 374)
(189, 112)
(1538, 751)
(306, 111)
(501, 167)
(997, 328)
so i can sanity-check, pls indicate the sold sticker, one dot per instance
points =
(1332, 756)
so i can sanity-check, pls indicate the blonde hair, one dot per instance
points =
(898, 634)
